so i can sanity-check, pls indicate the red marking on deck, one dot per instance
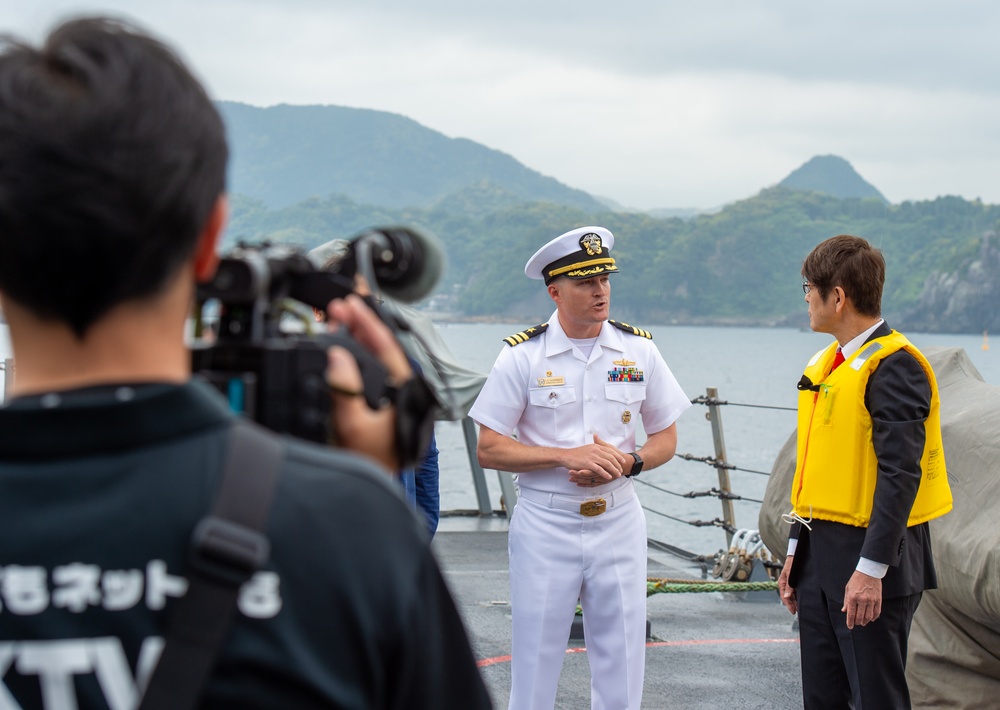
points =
(486, 662)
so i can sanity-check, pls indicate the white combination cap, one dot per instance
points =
(578, 254)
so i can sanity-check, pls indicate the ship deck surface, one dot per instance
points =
(706, 650)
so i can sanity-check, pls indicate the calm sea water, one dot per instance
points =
(748, 366)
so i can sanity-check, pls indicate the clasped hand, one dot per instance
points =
(596, 464)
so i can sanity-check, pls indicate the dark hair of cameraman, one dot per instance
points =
(120, 196)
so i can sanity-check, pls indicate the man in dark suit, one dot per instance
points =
(870, 473)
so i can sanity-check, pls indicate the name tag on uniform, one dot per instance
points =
(550, 381)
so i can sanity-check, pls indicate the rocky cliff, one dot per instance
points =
(964, 300)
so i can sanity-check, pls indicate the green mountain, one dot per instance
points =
(284, 155)
(740, 266)
(305, 175)
(830, 175)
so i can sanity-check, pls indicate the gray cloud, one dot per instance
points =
(651, 103)
(920, 44)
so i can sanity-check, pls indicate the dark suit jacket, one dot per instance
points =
(898, 398)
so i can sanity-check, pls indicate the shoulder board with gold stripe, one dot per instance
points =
(526, 334)
(631, 329)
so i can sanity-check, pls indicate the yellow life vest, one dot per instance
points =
(836, 467)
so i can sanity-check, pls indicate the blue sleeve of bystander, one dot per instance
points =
(427, 485)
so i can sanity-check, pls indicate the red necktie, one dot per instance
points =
(837, 359)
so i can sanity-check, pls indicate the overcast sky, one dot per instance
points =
(653, 103)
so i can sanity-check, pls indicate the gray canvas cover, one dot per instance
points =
(457, 386)
(954, 651)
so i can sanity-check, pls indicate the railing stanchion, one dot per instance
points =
(715, 417)
(478, 475)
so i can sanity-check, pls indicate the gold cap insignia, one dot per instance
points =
(592, 243)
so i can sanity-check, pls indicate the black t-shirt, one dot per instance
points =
(99, 492)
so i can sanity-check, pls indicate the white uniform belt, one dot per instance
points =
(589, 505)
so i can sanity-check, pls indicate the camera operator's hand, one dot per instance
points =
(356, 426)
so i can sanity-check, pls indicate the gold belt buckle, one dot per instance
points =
(591, 508)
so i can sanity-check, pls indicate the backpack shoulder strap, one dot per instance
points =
(228, 545)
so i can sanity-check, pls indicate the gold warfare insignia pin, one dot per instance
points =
(626, 417)
(592, 243)
(624, 362)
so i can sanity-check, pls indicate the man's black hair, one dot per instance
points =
(112, 157)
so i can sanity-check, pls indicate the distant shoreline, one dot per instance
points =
(734, 322)
(792, 322)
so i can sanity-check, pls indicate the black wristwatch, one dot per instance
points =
(636, 467)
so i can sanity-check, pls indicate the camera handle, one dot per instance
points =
(375, 386)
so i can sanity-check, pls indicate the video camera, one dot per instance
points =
(270, 366)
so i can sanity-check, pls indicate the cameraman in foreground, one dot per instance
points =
(112, 169)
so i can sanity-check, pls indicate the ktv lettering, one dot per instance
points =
(24, 590)
(55, 663)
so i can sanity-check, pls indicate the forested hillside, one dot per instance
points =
(740, 265)
(307, 174)
(285, 154)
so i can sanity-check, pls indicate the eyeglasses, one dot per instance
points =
(807, 287)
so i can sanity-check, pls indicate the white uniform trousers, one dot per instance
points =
(558, 556)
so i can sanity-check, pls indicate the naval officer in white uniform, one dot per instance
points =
(572, 391)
